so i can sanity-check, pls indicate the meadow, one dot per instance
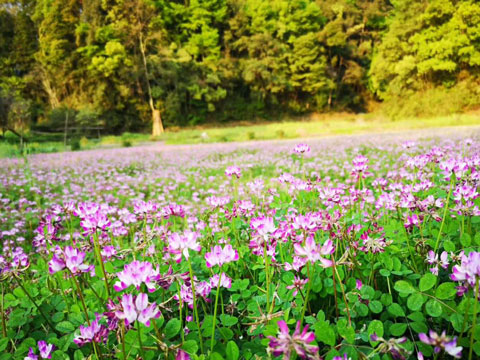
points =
(318, 126)
(358, 248)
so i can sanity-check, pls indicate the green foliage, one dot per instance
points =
(114, 62)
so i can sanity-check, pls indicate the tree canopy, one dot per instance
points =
(125, 64)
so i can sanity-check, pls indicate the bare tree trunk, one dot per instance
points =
(157, 125)
(66, 130)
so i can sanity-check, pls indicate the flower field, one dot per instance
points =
(358, 249)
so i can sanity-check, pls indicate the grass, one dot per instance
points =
(329, 125)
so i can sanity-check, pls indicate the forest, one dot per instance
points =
(146, 65)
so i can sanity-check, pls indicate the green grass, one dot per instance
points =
(341, 125)
(330, 125)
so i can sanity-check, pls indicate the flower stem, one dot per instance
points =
(34, 303)
(215, 311)
(444, 213)
(100, 260)
(308, 293)
(140, 345)
(267, 276)
(474, 323)
(195, 309)
(82, 300)
(4, 325)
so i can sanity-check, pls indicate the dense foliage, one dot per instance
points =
(119, 63)
(223, 252)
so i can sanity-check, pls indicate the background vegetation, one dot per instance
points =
(114, 65)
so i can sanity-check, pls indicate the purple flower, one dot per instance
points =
(220, 256)
(225, 281)
(136, 273)
(180, 244)
(137, 308)
(312, 251)
(233, 170)
(298, 284)
(45, 349)
(31, 355)
(70, 258)
(301, 149)
(441, 342)
(95, 332)
(182, 355)
(298, 342)
(469, 269)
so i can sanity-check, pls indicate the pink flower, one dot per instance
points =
(70, 258)
(136, 273)
(441, 342)
(220, 256)
(180, 244)
(298, 342)
(301, 149)
(298, 284)
(233, 170)
(31, 355)
(312, 251)
(469, 269)
(45, 349)
(225, 281)
(137, 308)
(94, 332)
(182, 355)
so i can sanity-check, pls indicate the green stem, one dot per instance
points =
(267, 276)
(82, 300)
(34, 303)
(4, 324)
(215, 311)
(100, 260)
(474, 323)
(444, 213)
(308, 293)
(195, 309)
(140, 345)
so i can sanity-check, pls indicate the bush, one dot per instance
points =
(75, 145)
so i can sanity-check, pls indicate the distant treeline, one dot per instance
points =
(125, 64)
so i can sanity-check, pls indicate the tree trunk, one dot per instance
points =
(157, 123)
(156, 117)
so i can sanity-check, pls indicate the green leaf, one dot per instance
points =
(415, 302)
(347, 332)
(476, 348)
(433, 308)
(232, 351)
(398, 329)
(396, 310)
(404, 287)
(375, 306)
(190, 346)
(466, 240)
(65, 327)
(216, 356)
(172, 328)
(228, 320)
(419, 327)
(3, 344)
(375, 327)
(427, 282)
(449, 246)
(446, 291)
(324, 333)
